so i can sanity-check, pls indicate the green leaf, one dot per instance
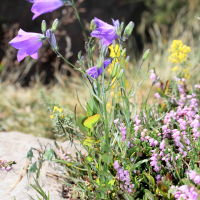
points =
(29, 154)
(150, 178)
(102, 173)
(33, 168)
(89, 141)
(128, 197)
(91, 121)
(91, 107)
(132, 151)
(149, 195)
(107, 158)
(48, 154)
(138, 164)
(111, 182)
(104, 189)
(80, 120)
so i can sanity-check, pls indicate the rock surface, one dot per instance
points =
(14, 147)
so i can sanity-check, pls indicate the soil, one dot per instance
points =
(14, 147)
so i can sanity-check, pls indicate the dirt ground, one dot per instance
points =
(14, 147)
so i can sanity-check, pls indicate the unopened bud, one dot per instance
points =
(92, 25)
(123, 52)
(43, 26)
(144, 57)
(79, 54)
(115, 70)
(122, 26)
(127, 59)
(100, 62)
(54, 26)
(54, 43)
(119, 76)
(93, 48)
(128, 30)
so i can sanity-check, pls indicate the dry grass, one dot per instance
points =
(21, 109)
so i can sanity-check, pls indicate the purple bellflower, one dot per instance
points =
(94, 72)
(27, 43)
(44, 6)
(106, 32)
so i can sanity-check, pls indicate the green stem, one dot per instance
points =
(135, 78)
(79, 19)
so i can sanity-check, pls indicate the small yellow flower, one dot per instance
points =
(178, 52)
(51, 116)
(175, 69)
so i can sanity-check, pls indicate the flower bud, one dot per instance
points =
(43, 26)
(115, 70)
(93, 48)
(128, 30)
(100, 62)
(144, 57)
(127, 59)
(122, 25)
(92, 25)
(123, 52)
(54, 43)
(119, 76)
(79, 54)
(54, 26)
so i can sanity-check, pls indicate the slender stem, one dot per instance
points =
(135, 78)
(79, 19)
(78, 69)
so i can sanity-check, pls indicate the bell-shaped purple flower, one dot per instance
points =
(94, 72)
(44, 6)
(27, 43)
(106, 32)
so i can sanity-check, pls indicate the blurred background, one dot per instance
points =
(157, 24)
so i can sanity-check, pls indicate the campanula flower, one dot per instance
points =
(44, 6)
(106, 32)
(94, 72)
(27, 43)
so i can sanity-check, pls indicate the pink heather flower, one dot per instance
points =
(197, 179)
(94, 72)
(116, 165)
(44, 6)
(106, 32)
(27, 43)
(157, 95)
(162, 145)
(116, 121)
(192, 174)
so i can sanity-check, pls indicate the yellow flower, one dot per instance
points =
(115, 53)
(51, 116)
(175, 69)
(186, 73)
(56, 108)
(178, 52)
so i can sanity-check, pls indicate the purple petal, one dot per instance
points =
(94, 72)
(23, 41)
(101, 24)
(21, 55)
(35, 55)
(43, 6)
(34, 48)
(116, 23)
